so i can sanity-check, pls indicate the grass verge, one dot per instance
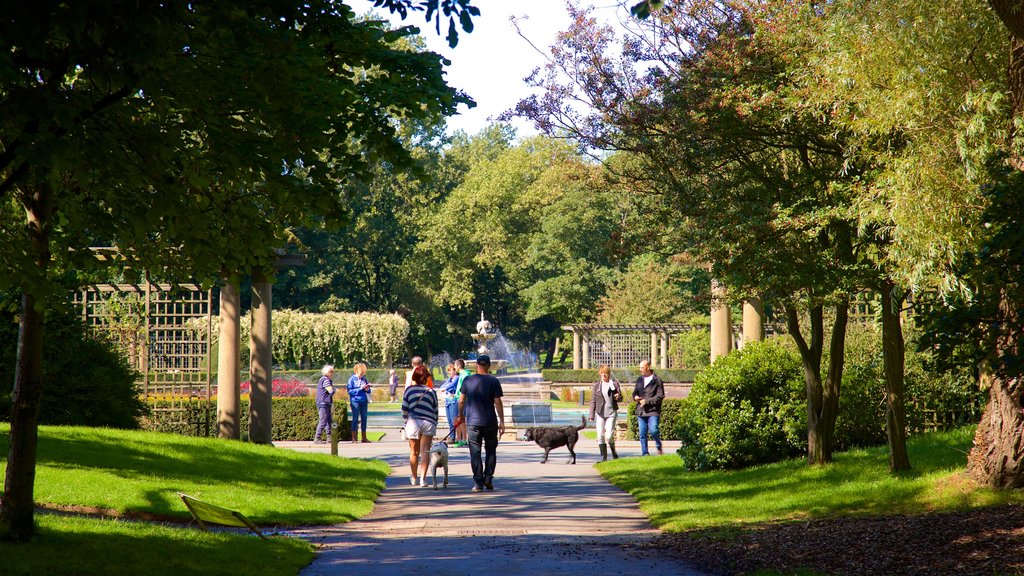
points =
(133, 472)
(858, 482)
(75, 545)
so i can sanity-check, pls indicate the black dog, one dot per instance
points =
(550, 437)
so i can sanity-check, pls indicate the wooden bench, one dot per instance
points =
(205, 512)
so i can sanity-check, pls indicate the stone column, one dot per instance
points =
(260, 361)
(577, 351)
(586, 351)
(654, 349)
(664, 351)
(228, 417)
(753, 320)
(721, 322)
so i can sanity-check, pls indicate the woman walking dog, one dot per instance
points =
(604, 410)
(419, 409)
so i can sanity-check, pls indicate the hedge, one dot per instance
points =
(668, 423)
(621, 374)
(304, 339)
(293, 418)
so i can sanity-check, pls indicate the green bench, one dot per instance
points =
(206, 513)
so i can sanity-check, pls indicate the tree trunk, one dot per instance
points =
(893, 352)
(822, 395)
(261, 372)
(550, 353)
(997, 458)
(17, 505)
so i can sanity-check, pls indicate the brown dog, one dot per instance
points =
(551, 437)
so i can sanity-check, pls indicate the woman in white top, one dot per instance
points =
(604, 409)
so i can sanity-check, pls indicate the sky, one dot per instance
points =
(490, 63)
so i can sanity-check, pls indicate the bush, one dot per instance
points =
(691, 349)
(934, 399)
(672, 411)
(623, 375)
(281, 388)
(293, 418)
(747, 408)
(86, 381)
(307, 339)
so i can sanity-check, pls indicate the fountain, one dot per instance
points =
(484, 334)
(522, 389)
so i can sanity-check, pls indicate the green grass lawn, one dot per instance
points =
(131, 471)
(141, 472)
(75, 545)
(857, 482)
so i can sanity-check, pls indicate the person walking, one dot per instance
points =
(359, 399)
(419, 410)
(461, 435)
(324, 403)
(392, 384)
(418, 361)
(451, 401)
(481, 408)
(648, 394)
(604, 407)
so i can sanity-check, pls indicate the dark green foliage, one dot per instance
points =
(86, 381)
(294, 419)
(963, 328)
(624, 375)
(691, 349)
(672, 411)
(936, 398)
(747, 408)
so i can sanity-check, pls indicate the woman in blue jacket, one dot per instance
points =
(359, 399)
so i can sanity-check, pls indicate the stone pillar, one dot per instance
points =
(721, 322)
(586, 351)
(260, 363)
(664, 351)
(229, 423)
(577, 352)
(654, 349)
(753, 320)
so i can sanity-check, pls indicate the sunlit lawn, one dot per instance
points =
(74, 545)
(858, 482)
(130, 471)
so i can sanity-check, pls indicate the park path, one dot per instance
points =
(552, 518)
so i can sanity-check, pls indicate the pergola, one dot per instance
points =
(621, 345)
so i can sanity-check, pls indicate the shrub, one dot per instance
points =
(86, 381)
(747, 408)
(691, 349)
(623, 375)
(293, 418)
(281, 388)
(934, 399)
(307, 339)
(672, 411)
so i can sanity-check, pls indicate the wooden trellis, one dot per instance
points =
(164, 332)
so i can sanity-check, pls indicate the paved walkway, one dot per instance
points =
(552, 518)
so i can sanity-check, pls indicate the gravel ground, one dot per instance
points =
(987, 541)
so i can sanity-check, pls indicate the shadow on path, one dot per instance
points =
(552, 518)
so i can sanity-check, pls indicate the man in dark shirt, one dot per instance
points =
(481, 408)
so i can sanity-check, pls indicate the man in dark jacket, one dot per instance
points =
(648, 394)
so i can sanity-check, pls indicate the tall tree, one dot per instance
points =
(190, 137)
(746, 180)
(997, 458)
